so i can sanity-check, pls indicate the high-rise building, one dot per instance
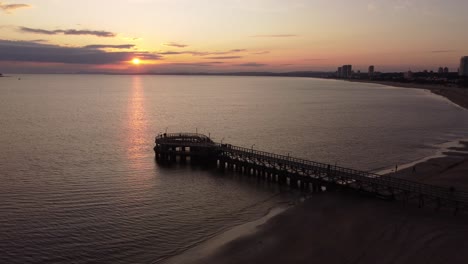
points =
(446, 70)
(371, 71)
(463, 71)
(347, 71)
(344, 71)
(441, 70)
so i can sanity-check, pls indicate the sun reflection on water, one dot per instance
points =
(137, 126)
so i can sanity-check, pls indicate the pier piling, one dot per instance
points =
(300, 173)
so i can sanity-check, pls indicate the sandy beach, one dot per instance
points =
(347, 228)
(457, 95)
(340, 228)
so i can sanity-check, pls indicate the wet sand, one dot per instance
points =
(348, 228)
(449, 171)
(340, 228)
(457, 95)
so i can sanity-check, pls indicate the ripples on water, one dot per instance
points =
(78, 179)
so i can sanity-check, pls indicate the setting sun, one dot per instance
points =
(136, 61)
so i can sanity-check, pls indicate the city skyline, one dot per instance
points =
(225, 36)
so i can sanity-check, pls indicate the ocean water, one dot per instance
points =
(78, 179)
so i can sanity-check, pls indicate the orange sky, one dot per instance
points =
(235, 35)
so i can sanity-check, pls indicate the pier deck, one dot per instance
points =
(301, 173)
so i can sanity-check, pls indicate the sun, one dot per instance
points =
(136, 61)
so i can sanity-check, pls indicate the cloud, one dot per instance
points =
(37, 31)
(27, 51)
(236, 50)
(97, 33)
(125, 46)
(173, 53)
(9, 8)
(224, 57)
(261, 52)
(39, 40)
(218, 52)
(442, 51)
(275, 36)
(196, 64)
(251, 64)
(202, 53)
(314, 59)
(175, 44)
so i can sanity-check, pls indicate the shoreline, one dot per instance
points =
(443, 151)
(214, 243)
(458, 96)
(450, 169)
(267, 241)
(348, 228)
(345, 228)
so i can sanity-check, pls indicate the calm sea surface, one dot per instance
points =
(78, 179)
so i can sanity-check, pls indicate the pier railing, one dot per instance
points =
(305, 171)
(403, 184)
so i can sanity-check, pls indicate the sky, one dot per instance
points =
(62, 36)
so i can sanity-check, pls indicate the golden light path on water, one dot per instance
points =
(137, 127)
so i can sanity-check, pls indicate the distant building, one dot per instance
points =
(463, 71)
(347, 71)
(350, 71)
(371, 71)
(408, 75)
(441, 70)
(446, 70)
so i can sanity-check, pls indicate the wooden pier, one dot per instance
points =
(303, 174)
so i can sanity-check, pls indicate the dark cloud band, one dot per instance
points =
(125, 46)
(201, 53)
(36, 52)
(251, 64)
(175, 44)
(97, 33)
